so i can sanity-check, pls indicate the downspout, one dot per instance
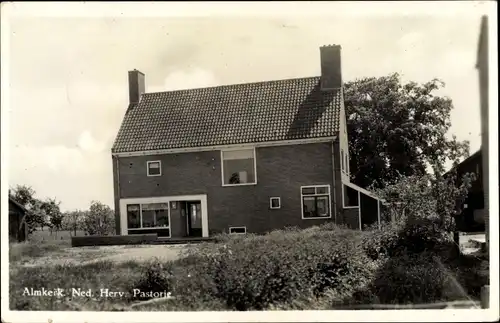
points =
(118, 215)
(334, 182)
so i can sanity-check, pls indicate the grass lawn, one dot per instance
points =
(46, 235)
(318, 268)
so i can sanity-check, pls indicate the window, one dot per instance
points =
(342, 159)
(315, 202)
(275, 203)
(238, 167)
(237, 230)
(154, 168)
(134, 216)
(143, 216)
(347, 162)
(350, 197)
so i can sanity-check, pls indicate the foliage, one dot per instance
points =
(99, 220)
(255, 272)
(155, 277)
(73, 221)
(25, 195)
(427, 197)
(316, 268)
(412, 278)
(398, 128)
(53, 213)
(407, 236)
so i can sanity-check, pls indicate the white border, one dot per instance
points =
(272, 10)
(254, 166)
(147, 167)
(271, 202)
(242, 227)
(165, 199)
(329, 201)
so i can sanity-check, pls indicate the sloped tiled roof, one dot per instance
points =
(231, 114)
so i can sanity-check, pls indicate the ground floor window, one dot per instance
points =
(315, 201)
(150, 215)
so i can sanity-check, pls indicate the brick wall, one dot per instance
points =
(281, 171)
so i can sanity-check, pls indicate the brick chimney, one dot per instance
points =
(331, 67)
(136, 86)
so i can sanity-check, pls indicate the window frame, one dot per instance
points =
(344, 205)
(346, 157)
(151, 162)
(254, 152)
(271, 203)
(328, 194)
(342, 161)
(240, 227)
(141, 227)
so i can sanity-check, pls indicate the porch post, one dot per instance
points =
(359, 209)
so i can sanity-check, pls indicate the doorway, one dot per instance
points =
(193, 219)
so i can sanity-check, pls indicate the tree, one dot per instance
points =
(438, 198)
(25, 195)
(398, 129)
(72, 221)
(99, 220)
(53, 213)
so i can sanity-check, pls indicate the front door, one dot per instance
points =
(194, 219)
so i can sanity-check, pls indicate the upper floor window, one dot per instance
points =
(154, 168)
(238, 167)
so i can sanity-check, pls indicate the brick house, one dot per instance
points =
(237, 158)
(18, 230)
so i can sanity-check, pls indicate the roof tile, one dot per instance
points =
(231, 114)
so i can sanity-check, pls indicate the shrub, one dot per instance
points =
(256, 272)
(411, 279)
(407, 236)
(155, 277)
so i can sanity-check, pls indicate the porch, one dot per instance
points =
(361, 207)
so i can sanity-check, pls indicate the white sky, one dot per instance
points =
(68, 77)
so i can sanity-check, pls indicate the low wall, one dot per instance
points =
(113, 240)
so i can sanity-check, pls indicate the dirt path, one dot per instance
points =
(146, 253)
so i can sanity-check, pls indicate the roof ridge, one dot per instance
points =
(233, 84)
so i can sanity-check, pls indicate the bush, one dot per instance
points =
(413, 278)
(407, 236)
(255, 272)
(156, 277)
